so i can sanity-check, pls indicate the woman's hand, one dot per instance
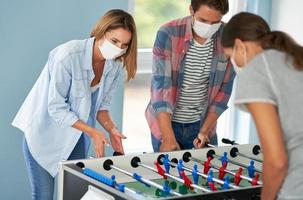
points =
(99, 141)
(116, 140)
(201, 140)
(97, 136)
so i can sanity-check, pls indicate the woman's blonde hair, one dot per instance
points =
(112, 20)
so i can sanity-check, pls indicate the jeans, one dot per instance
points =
(185, 135)
(42, 183)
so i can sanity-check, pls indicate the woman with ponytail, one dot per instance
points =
(270, 86)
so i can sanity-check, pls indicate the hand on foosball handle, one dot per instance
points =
(117, 153)
(169, 145)
(200, 141)
(116, 140)
(99, 141)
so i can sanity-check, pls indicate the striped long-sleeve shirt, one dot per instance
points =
(171, 45)
(193, 94)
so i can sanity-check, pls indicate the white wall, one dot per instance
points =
(287, 15)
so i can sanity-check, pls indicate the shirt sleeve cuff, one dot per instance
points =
(69, 120)
(218, 109)
(162, 107)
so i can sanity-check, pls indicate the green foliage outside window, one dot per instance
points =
(151, 14)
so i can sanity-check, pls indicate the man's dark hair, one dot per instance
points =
(220, 5)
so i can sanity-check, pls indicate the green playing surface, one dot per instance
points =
(179, 187)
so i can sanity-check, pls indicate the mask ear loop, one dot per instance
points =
(193, 18)
(103, 39)
(193, 21)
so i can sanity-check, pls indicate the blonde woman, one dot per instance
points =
(74, 90)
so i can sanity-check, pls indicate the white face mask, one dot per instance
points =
(205, 30)
(110, 51)
(235, 65)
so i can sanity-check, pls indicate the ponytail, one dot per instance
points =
(250, 27)
(282, 42)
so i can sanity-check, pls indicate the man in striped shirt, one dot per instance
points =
(192, 79)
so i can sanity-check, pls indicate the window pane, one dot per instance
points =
(151, 14)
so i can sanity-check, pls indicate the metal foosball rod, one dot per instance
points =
(187, 157)
(174, 164)
(108, 165)
(106, 180)
(212, 153)
(234, 152)
(256, 149)
(210, 145)
(135, 162)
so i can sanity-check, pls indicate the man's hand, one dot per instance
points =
(201, 140)
(169, 144)
(205, 131)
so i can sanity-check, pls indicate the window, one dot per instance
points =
(149, 16)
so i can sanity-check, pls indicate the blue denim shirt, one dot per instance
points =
(60, 97)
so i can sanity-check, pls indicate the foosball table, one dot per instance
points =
(226, 172)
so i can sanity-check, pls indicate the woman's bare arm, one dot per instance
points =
(275, 158)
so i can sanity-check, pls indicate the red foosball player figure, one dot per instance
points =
(238, 176)
(210, 181)
(222, 170)
(187, 181)
(207, 165)
(212, 186)
(161, 171)
(255, 180)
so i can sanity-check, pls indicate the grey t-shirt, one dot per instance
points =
(271, 78)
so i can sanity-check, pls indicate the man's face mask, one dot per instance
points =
(205, 30)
